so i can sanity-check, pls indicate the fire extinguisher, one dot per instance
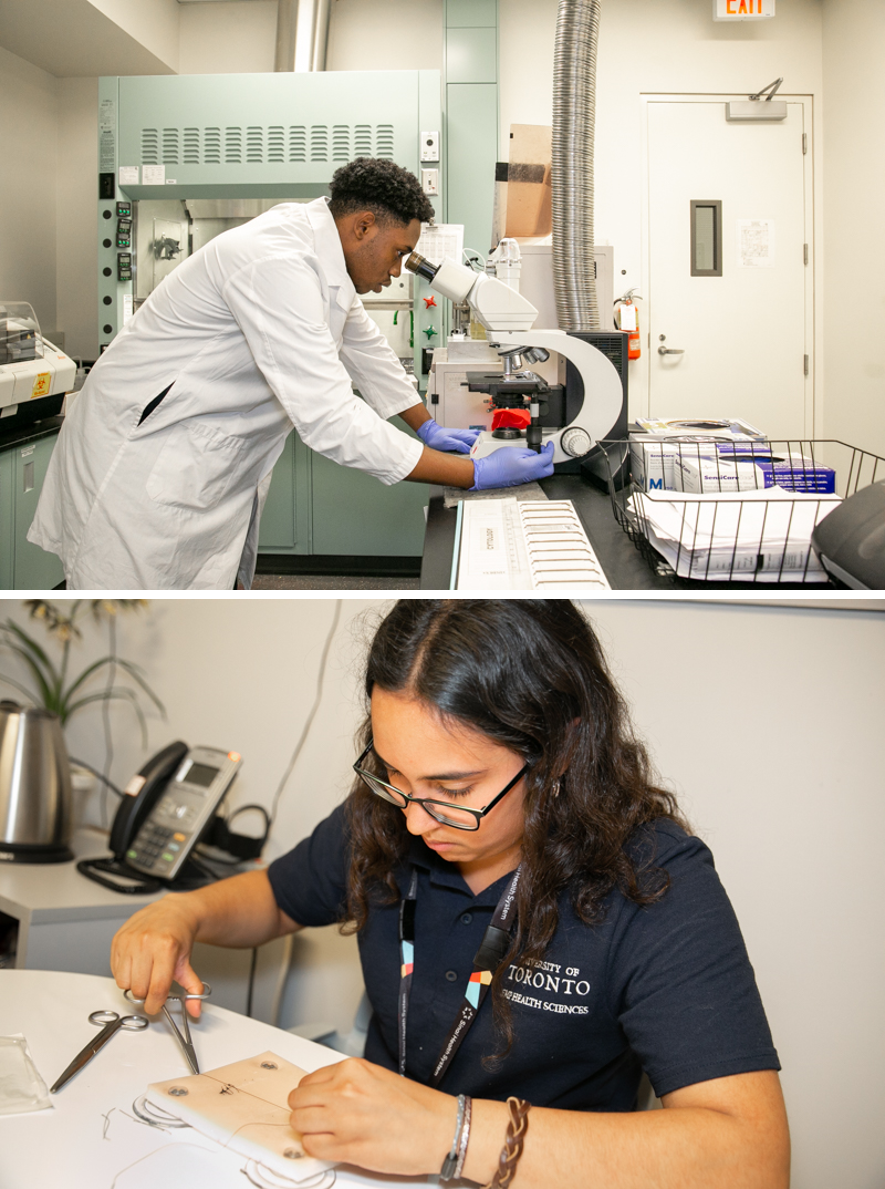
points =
(627, 317)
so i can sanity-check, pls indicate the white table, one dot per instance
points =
(89, 1138)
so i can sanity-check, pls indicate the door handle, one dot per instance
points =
(671, 350)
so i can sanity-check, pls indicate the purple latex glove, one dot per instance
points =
(510, 466)
(436, 437)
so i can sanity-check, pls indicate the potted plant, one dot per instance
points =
(53, 686)
(52, 681)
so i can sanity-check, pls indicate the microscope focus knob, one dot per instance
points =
(576, 442)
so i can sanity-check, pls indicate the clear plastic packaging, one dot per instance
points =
(20, 339)
(21, 1086)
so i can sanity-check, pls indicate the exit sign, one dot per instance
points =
(742, 10)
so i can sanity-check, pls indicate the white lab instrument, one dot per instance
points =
(32, 369)
(508, 317)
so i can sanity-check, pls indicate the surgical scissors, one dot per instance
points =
(112, 1021)
(184, 1039)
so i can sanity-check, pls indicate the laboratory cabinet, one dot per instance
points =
(24, 459)
(317, 507)
(314, 507)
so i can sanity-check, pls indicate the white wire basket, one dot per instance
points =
(726, 511)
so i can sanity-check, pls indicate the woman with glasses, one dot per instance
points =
(537, 927)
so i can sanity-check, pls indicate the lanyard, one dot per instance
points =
(488, 958)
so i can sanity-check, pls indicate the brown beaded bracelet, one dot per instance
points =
(512, 1150)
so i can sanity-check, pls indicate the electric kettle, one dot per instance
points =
(35, 787)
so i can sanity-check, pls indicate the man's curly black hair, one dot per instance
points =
(383, 187)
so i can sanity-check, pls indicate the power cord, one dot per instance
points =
(277, 1001)
(309, 722)
(100, 775)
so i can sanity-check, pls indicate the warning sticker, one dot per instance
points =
(42, 384)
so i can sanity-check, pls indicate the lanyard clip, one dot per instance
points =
(407, 920)
(492, 949)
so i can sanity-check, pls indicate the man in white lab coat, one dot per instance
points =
(164, 458)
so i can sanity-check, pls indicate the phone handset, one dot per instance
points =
(142, 792)
(182, 809)
(168, 808)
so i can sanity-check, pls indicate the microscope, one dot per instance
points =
(507, 317)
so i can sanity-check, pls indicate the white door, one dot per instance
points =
(731, 204)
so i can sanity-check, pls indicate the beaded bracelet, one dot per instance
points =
(512, 1150)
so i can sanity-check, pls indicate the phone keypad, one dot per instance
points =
(183, 812)
(157, 845)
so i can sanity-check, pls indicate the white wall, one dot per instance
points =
(649, 47)
(766, 721)
(853, 298)
(238, 36)
(77, 191)
(228, 38)
(154, 24)
(385, 35)
(28, 168)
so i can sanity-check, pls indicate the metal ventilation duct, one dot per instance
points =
(302, 35)
(574, 117)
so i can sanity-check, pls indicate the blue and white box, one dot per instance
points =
(750, 473)
(792, 471)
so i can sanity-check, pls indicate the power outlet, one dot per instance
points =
(430, 181)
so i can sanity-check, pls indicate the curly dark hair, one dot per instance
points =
(383, 187)
(531, 675)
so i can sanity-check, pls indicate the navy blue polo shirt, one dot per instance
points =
(666, 988)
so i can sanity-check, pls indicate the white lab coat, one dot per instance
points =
(258, 331)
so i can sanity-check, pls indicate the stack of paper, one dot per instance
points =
(759, 536)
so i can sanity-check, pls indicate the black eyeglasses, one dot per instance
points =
(458, 816)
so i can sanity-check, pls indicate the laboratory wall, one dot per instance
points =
(645, 48)
(29, 157)
(153, 24)
(76, 267)
(827, 49)
(228, 38)
(853, 298)
(386, 35)
(766, 721)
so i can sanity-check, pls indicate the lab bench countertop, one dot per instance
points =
(623, 564)
(29, 433)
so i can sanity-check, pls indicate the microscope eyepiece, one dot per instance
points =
(423, 268)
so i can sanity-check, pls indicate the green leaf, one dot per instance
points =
(31, 644)
(108, 695)
(87, 673)
(135, 671)
(45, 695)
(29, 693)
